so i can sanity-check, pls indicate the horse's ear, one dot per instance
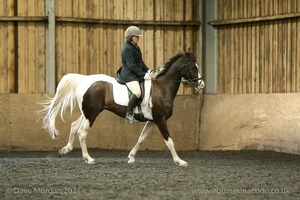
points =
(181, 52)
(188, 52)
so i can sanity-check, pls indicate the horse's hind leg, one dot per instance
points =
(74, 128)
(144, 134)
(82, 133)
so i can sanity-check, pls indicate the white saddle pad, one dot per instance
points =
(121, 98)
(120, 93)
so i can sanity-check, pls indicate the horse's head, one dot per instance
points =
(184, 66)
(190, 71)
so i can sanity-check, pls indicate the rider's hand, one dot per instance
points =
(147, 76)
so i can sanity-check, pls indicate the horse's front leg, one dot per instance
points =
(144, 134)
(170, 144)
(162, 125)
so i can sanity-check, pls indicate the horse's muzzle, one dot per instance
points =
(201, 84)
(198, 83)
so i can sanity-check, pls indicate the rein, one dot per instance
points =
(189, 80)
(193, 82)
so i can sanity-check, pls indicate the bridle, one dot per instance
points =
(196, 82)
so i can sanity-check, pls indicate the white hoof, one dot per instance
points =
(63, 151)
(92, 162)
(89, 161)
(131, 160)
(60, 152)
(181, 163)
(185, 164)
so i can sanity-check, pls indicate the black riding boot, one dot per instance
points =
(133, 101)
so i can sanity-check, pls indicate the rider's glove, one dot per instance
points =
(148, 75)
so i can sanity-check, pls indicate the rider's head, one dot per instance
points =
(133, 34)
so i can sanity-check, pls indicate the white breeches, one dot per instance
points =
(134, 87)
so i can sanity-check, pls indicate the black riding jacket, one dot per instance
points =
(133, 67)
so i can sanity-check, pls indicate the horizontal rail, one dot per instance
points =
(23, 18)
(253, 19)
(126, 22)
(98, 21)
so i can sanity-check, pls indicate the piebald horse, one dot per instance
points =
(93, 95)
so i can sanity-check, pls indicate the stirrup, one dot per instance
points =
(130, 118)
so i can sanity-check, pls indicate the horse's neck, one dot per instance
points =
(172, 90)
(173, 73)
(171, 81)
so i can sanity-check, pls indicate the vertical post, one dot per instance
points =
(200, 40)
(16, 49)
(210, 46)
(200, 57)
(50, 47)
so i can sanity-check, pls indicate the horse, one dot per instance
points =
(93, 95)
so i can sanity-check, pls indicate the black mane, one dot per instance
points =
(164, 68)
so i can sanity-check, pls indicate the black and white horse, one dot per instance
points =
(94, 93)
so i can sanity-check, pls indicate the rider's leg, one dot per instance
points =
(134, 87)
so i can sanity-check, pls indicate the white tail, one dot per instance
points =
(65, 97)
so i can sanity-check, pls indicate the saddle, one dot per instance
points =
(140, 115)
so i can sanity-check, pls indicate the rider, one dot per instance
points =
(133, 69)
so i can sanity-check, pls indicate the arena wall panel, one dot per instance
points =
(22, 130)
(251, 121)
(205, 122)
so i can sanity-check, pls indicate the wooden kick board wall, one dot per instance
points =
(258, 46)
(89, 37)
